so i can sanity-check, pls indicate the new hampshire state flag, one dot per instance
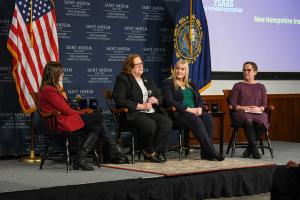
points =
(191, 42)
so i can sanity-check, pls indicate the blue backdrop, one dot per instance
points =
(94, 38)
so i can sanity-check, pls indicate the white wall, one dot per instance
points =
(273, 87)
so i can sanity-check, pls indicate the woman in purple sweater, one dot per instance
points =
(249, 100)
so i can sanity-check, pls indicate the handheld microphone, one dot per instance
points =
(149, 93)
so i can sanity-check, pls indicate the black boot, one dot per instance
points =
(79, 161)
(113, 152)
(247, 153)
(254, 150)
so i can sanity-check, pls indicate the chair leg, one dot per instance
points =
(132, 150)
(230, 142)
(186, 142)
(67, 154)
(45, 154)
(269, 144)
(100, 153)
(180, 143)
(235, 133)
(262, 146)
(97, 157)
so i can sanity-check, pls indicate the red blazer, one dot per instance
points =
(51, 100)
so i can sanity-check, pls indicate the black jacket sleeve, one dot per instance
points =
(120, 93)
(172, 97)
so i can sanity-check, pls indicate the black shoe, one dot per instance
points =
(247, 153)
(203, 155)
(162, 156)
(218, 157)
(155, 159)
(254, 150)
(256, 156)
(81, 164)
(255, 153)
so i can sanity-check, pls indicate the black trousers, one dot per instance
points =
(153, 129)
(286, 183)
(201, 127)
(93, 122)
(253, 130)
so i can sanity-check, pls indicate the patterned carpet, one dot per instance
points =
(175, 167)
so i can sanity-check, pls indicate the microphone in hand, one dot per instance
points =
(149, 93)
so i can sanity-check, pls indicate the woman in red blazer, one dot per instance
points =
(52, 98)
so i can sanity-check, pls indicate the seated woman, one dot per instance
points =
(249, 100)
(137, 92)
(179, 92)
(51, 98)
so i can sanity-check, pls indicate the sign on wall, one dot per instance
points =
(94, 38)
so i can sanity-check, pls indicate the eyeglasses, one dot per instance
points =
(247, 70)
(138, 64)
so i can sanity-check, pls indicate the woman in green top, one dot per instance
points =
(179, 92)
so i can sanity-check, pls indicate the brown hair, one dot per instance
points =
(253, 65)
(51, 74)
(128, 63)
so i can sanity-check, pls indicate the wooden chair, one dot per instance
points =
(48, 127)
(233, 143)
(121, 128)
(183, 137)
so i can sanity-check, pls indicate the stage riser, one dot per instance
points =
(228, 183)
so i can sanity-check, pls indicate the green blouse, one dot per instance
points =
(188, 97)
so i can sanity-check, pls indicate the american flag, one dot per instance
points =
(32, 41)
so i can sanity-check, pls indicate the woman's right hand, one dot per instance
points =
(86, 110)
(144, 106)
(193, 110)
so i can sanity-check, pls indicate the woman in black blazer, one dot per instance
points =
(140, 95)
(179, 92)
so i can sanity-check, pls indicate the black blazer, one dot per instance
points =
(174, 97)
(127, 93)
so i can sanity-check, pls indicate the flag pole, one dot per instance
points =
(32, 158)
(30, 29)
(190, 29)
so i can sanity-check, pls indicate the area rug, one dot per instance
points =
(175, 167)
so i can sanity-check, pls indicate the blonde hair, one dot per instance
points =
(186, 77)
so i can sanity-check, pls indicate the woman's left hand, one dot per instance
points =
(255, 109)
(194, 111)
(153, 100)
(199, 111)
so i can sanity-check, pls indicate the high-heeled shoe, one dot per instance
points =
(162, 156)
(255, 152)
(220, 157)
(217, 157)
(247, 153)
(154, 158)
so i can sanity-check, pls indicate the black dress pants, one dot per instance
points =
(253, 130)
(201, 127)
(153, 129)
(93, 122)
